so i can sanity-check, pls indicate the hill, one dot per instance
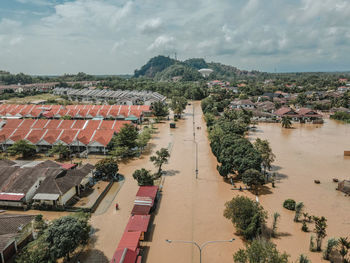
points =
(163, 68)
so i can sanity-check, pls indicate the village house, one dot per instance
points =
(344, 186)
(308, 115)
(15, 232)
(286, 112)
(242, 104)
(42, 182)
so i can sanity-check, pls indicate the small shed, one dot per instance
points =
(344, 186)
(124, 256)
(130, 240)
(138, 223)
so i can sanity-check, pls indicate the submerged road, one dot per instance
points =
(190, 209)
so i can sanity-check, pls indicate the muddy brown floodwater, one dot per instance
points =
(303, 154)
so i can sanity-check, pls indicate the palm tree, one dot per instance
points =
(298, 209)
(274, 223)
(303, 259)
(344, 245)
(286, 122)
(331, 243)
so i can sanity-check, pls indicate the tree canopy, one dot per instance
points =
(23, 148)
(107, 167)
(247, 215)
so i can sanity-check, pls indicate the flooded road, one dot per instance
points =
(303, 154)
(192, 209)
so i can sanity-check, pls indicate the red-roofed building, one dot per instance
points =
(138, 223)
(124, 256)
(130, 240)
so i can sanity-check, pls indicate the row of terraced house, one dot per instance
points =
(133, 113)
(123, 97)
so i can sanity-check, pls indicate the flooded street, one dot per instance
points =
(303, 154)
(192, 209)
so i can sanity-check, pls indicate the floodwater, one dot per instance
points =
(192, 209)
(303, 154)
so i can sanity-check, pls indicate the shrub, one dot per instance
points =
(289, 204)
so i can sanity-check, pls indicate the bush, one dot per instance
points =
(289, 204)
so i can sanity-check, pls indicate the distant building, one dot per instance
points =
(242, 104)
(123, 97)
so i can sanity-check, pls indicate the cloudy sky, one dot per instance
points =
(118, 36)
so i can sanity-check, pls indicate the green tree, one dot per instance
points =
(320, 230)
(23, 148)
(143, 138)
(39, 225)
(331, 244)
(286, 123)
(253, 178)
(143, 177)
(267, 156)
(127, 137)
(274, 224)
(303, 259)
(119, 152)
(65, 234)
(60, 149)
(160, 109)
(36, 251)
(344, 246)
(298, 211)
(107, 167)
(178, 105)
(66, 117)
(247, 215)
(159, 159)
(260, 251)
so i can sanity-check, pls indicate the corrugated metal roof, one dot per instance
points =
(51, 197)
(148, 191)
(138, 223)
(130, 240)
(124, 256)
(11, 196)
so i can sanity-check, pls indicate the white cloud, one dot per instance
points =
(153, 25)
(162, 43)
(253, 34)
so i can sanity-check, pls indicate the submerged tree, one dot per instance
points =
(143, 177)
(253, 178)
(303, 259)
(298, 210)
(331, 244)
(286, 122)
(320, 230)
(247, 215)
(274, 224)
(259, 251)
(159, 159)
(267, 156)
(107, 167)
(344, 246)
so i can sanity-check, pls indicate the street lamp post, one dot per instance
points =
(200, 247)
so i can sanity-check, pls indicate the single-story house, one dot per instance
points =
(15, 232)
(242, 104)
(344, 186)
